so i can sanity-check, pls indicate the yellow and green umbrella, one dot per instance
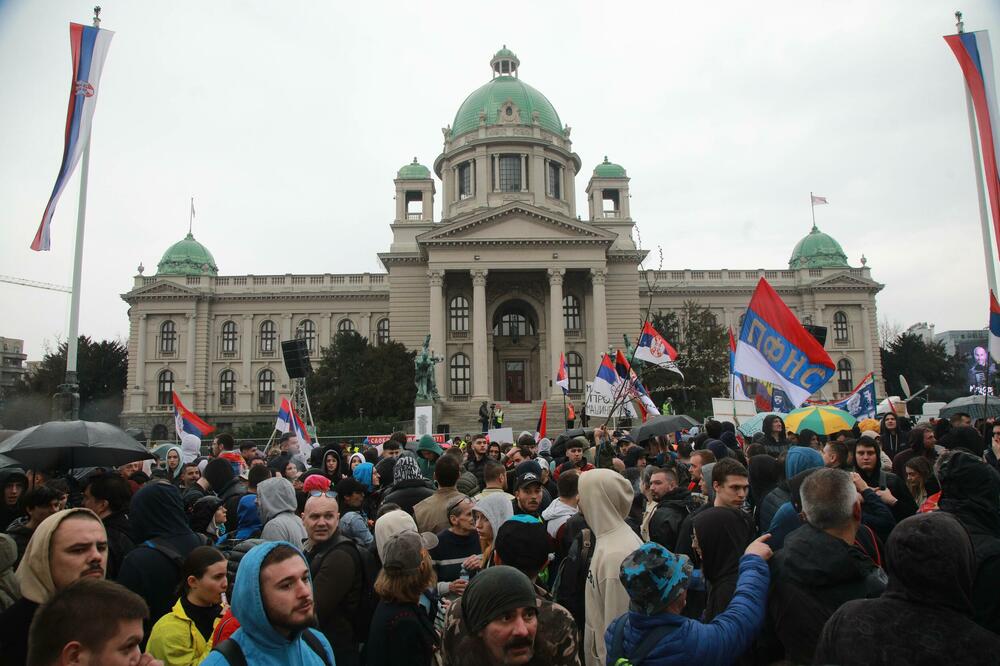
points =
(822, 420)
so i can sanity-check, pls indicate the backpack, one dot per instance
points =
(233, 652)
(569, 585)
(364, 561)
(617, 656)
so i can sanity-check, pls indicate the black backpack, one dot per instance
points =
(570, 583)
(233, 653)
(364, 561)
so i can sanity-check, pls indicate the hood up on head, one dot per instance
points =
(800, 458)
(765, 472)
(497, 508)
(363, 475)
(338, 473)
(276, 496)
(34, 574)
(218, 472)
(248, 604)
(180, 464)
(605, 499)
(970, 489)
(406, 469)
(248, 518)
(964, 437)
(706, 474)
(157, 510)
(385, 469)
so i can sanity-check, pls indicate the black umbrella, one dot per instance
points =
(976, 406)
(662, 425)
(65, 445)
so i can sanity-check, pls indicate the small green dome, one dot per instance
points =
(490, 96)
(413, 171)
(187, 257)
(608, 169)
(818, 250)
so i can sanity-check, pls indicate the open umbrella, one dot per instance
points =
(755, 424)
(65, 445)
(821, 419)
(665, 424)
(976, 406)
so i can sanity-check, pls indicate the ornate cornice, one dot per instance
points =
(584, 234)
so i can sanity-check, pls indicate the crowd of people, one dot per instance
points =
(878, 545)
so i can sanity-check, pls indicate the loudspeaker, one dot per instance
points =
(818, 332)
(296, 355)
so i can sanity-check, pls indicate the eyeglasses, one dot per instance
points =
(320, 493)
(996, 433)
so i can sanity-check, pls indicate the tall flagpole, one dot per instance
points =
(812, 203)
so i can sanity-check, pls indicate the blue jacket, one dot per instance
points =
(718, 643)
(261, 644)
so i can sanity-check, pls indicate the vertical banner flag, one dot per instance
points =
(542, 422)
(89, 47)
(994, 327)
(653, 348)
(191, 429)
(774, 347)
(736, 390)
(562, 377)
(860, 403)
(976, 60)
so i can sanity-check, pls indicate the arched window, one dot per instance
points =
(227, 388)
(513, 324)
(168, 337)
(345, 325)
(382, 331)
(307, 331)
(840, 329)
(458, 315)
(845, 375)
(265, 387)
(574, 371)
(571, 313)
(459, 372)
(165, 388)
(268, 336)
(229, 337)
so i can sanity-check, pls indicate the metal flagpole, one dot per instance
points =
(812, 203)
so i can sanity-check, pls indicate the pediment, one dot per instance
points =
(515, 224)
(162, 289)
(844, 281)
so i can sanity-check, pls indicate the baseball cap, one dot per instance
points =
(527, 479)
(403, 552)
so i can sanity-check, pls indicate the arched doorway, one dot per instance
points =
(515, 352)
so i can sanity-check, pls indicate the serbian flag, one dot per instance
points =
(775, 348)
(653, 348)
(633, 387)
(89, 46)
(737, 391)
(994, 326)
(541, 425)
(976, 60)
(562, 377)
(609, 385)
(191, 429)
(289, 420)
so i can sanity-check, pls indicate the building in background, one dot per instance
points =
(511, 276)
(12, 358)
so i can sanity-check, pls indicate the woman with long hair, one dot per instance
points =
(331, 466)
(489, 513)
(918, 473)
(182, 636)
(493, 451)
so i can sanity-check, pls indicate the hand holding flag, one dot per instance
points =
(288, 420)
(191, 429)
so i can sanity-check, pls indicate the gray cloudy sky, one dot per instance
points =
(288, 120)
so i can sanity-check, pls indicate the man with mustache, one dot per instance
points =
(65, 547)
(273, 602)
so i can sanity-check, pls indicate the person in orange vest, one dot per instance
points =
(570, 415)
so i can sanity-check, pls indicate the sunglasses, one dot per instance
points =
(320, 493)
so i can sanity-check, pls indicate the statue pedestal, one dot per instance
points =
(426, 414)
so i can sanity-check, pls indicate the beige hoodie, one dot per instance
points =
(34, 574)
(605, 499)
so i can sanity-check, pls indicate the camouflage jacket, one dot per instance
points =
(555, 640)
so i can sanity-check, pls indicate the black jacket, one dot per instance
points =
(811, 576)
(905, 505)
(231, 494)
(14, 625)
(120, 541)
(670, 512)
(408, 492)
(337, 585)
(413, 636)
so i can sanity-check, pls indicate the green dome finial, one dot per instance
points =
(187, 257)
(818, 250)
(413, 171)
(608, 169)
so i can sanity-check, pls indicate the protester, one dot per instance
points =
(208, 519)
(248, 523)
(9, 592)
(66, 546)
(456, 556)
(563, 507)
(890, 488)
(892, 434)
(406, 633)
(921, 441)
(90, 622)
(528, 490)
(353, 518)
(574, 457)
(672, 505)
(276, 498)
(409, 487)
(14, 482)
(273, 602)
(330, 467)
(109, 496)
(39, 503)
(182, 636)
(722, 534)
(227, 486)
(428, 454)
(797, 459)
(925, 615)
(918, 473)
(699, 459)
(774, 438)
(431, 514)
(495, 476)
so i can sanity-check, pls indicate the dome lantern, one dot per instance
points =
(504, 63)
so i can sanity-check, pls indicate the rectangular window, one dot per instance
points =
(553, 187)
(510, 173)
(465, 180)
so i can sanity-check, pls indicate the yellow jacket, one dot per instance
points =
(176, 641)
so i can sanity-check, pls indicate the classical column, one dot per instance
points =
(192, 334)
(557, 331)
(247, 350)
(326, 333)
(866, 331)
(438, 342)
(599, 312)
(140, 352)
(286, 329)
(480, 358)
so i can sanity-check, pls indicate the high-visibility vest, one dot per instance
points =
(570, 412)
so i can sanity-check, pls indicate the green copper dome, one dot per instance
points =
(413, 171)
(818, 250)
(608, 169)
(187, 257)
(502, 88)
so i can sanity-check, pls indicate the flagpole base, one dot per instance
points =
(66, 402)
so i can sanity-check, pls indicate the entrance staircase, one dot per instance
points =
(463, 417)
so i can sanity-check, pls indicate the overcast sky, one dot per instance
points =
(288, 120)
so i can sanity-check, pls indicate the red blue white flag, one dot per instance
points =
(654, 348)
(191, 429)
(976, 60)
(736, 392)
(633, 387)
(609, 385)
(774, 347)
(89, 46)
(562, 376)
(288, 419)
(542, 424)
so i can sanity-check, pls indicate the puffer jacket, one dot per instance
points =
(176, 640)
(718, 642)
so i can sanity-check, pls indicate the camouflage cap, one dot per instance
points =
(654, 577)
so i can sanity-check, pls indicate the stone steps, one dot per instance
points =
(463, 418)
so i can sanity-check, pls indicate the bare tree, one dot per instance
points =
(888, 331)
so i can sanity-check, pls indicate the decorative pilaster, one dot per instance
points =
(191, 338)
(480, 359)
(599, 315)
(140, 362)
(556, 329)
(438, 342)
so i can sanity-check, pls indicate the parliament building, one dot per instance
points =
(510, 276)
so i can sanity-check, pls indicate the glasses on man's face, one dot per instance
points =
(323, 493)
(996, 433)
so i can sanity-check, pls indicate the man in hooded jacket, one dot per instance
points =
(276, 498)
(227, 486)
(890, 488)
(163, 539)
(65, 547)
(925, 615)
(409, 487)
(258, 603)
(605, 500)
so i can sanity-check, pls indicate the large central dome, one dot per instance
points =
(505, 86)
